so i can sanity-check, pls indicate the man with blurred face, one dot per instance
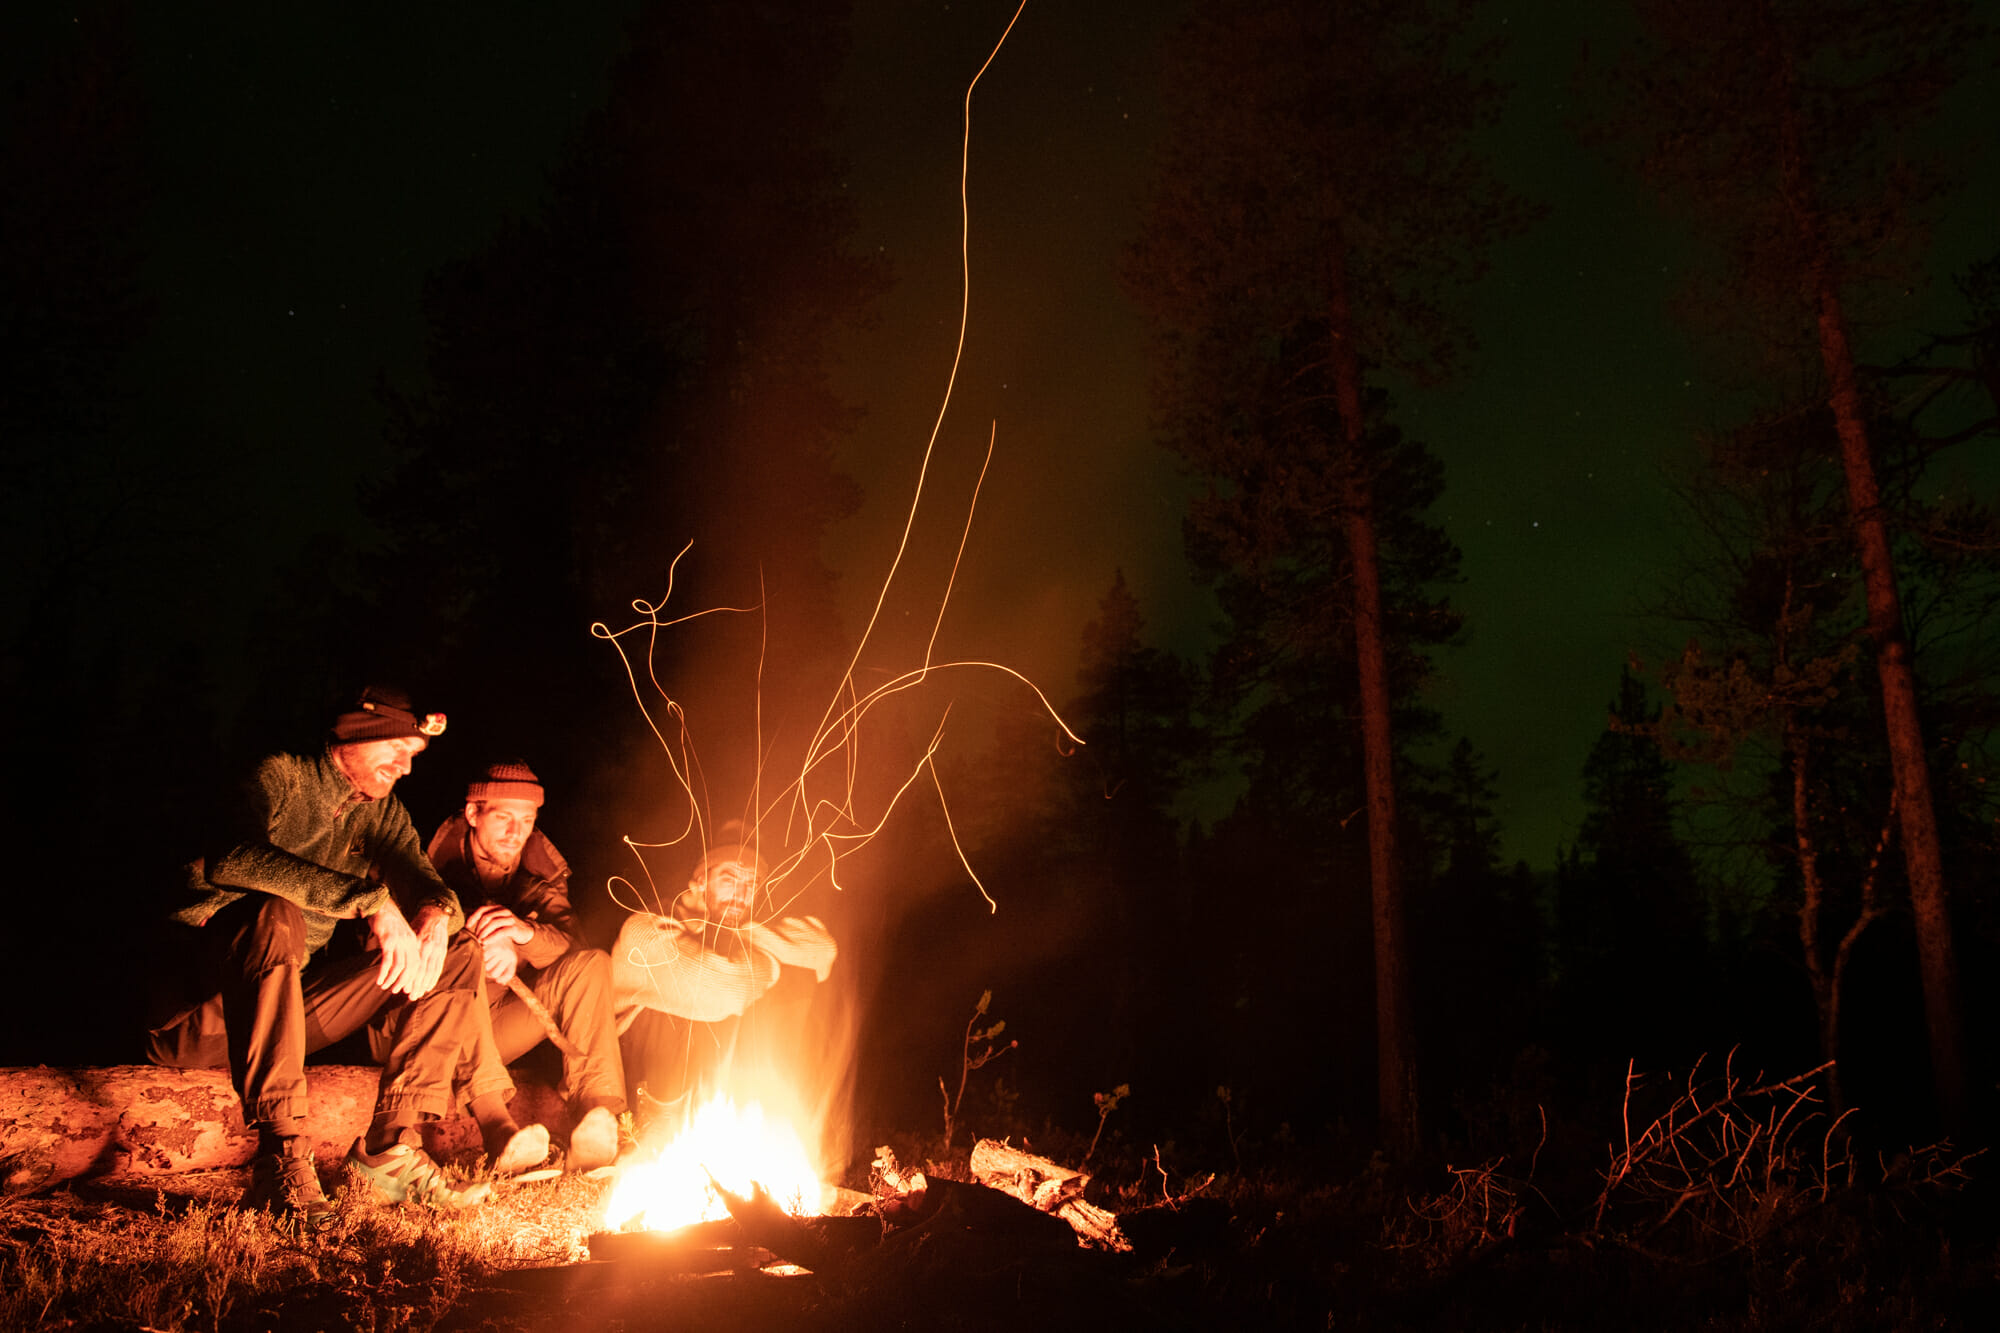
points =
(727, 888)
(701, 968)
(308, 841)
(516, 886)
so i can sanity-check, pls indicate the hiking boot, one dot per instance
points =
(523, 1150)
(403, 1173)
(286, 1183)
(594, 1141)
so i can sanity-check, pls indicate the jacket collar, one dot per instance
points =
(452, 845)
(337, 791)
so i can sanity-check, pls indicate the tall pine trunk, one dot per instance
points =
(1395, 1054)
(1922, 857)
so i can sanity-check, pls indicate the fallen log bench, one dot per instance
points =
(58, 1125)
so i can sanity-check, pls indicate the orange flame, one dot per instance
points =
(735, 1147)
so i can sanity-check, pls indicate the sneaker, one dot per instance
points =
(286, 1183)
(405, 1173)
(594, 1141)
(524, 1150)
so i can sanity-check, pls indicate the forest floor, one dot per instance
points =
(1752, 1240)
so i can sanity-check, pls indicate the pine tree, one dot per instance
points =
(1787, 127)
(1317, 201)
(1476, 939)
(1631, 917)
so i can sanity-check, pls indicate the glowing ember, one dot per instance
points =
(734, 1146)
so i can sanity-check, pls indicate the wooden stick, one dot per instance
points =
(544, 1017)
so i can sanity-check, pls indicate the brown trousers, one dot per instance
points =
(685, 1062)
(576, 990)
(246, 997)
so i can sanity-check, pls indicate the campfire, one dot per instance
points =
(737, 1148)
(735, 1186)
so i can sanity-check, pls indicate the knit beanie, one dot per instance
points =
(383, 713)
(508, 780)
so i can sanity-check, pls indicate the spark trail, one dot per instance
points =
(819, 804)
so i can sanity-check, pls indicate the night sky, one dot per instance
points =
(312, 166)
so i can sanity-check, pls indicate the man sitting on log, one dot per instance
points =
(540, 980)
(309, 841)
(707, 963)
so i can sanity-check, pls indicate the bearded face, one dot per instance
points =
(374, 766)
(728, 893)
(500, 828)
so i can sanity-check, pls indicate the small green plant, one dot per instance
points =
(1107, 1102)
(974, 1034)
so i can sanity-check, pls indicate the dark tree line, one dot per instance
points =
(643, 363)
(640, 365)
(642, 368)
(1271, 267)
(102, 646)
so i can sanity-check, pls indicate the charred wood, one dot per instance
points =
(706, 1247)
(826, 1245)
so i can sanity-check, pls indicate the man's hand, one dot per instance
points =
(492, 920)
(433, 927)
(500, 933)
(501, 960)
(412, 958)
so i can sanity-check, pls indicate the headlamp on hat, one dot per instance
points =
(383, 713)
(431, 724)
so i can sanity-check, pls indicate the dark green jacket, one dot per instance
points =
(298, 829)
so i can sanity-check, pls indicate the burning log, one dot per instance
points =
(1048, 1187)
(826, 1245)
(881, 1241)
(705, 1247)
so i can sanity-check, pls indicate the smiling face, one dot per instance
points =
(374, 766)
(500, 828)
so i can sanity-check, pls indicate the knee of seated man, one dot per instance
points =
(464, 966)
(582, 967)
(277, 932)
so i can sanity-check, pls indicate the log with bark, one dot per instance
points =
(1050, 1187)
(63, 1124)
